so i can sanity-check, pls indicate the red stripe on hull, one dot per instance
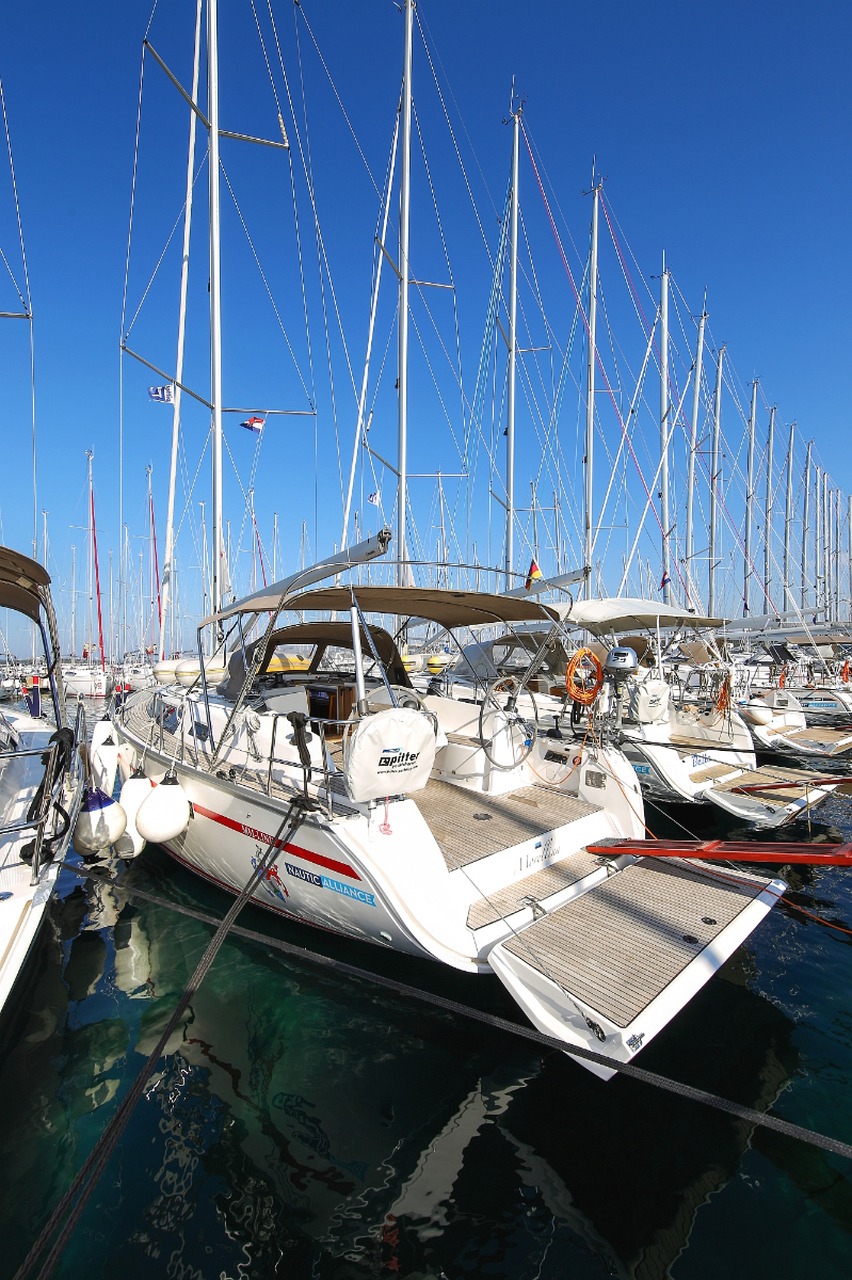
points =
(339, 868)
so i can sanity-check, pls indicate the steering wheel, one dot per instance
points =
(517, 732)
(405, 697)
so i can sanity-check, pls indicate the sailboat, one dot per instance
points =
(443, 827)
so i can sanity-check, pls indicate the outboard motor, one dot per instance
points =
(620, 664)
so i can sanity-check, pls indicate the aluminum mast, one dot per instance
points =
(590, 385)
(850, 556)
(714, 478)
(693, 443)
(806, 516)
(215, 301)
(402, 357)
(513, 348)
(749, 496)
(767, 526)
(788, 521)
(827, 557)
(665, 409)
(184, 282)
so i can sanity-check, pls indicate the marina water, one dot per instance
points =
(307, 1124)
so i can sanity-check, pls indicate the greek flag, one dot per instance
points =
(163, 395)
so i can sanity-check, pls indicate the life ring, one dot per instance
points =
(844, 675)
(782, 678)
(580, 694)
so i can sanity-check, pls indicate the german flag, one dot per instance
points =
(534, 572)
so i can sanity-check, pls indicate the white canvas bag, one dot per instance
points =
(390, 753)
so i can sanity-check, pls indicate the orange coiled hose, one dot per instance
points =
(585, 696)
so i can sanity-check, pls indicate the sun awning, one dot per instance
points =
(442, 605)
(23, 583)
(623, 613)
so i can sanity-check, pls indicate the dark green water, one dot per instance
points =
(309, 1125)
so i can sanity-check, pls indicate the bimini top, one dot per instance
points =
(442, 605)
(623, 613)
(24, 584)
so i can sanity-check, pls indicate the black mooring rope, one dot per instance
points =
(87, 1178)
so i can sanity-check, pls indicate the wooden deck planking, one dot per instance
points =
(543, 884)
(620, 945)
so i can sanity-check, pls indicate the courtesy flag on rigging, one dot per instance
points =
(253, 424)
(163, 395)
(666, 580)
(534, 572)
(374, 498)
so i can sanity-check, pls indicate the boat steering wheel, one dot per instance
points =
(517, 733)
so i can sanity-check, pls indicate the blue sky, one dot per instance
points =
(724, 136)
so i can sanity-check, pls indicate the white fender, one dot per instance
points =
(127, 756)
(164, 672)
(100, 823)
(104, 756)
(163, 814)
(135, 791)
(188, 671)
(757, 711)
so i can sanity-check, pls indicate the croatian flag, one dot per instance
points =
(667, 577)
(163, 395)
(374, 498)
(253, 424)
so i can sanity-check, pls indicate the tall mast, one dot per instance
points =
(404, 275)
(747, 559)
(215, 298)
(827, 558)
(141, 603)
(714, 480)
(73, 645)
(184, 284)
(788, 521)
(590, 384)
(817, 538)
(767, 531)
(91, 581)
(202, 505)
(513, 344)
(836, 503)
(806, 517)
(275, 546)
(664, 428)
(693, 442)
(849, 549)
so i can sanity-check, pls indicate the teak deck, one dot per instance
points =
(620, 945)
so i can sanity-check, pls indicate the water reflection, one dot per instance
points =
(305, 1124)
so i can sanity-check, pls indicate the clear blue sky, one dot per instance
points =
(724, 134)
